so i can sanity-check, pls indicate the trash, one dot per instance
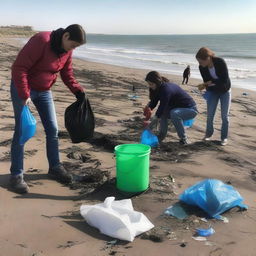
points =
(205, 232)
(177, 211)
(171, 178)
(27, 125)
(132, 96)
(212, 196)
(188, 123)
(172, 236)
(79, 121)
(183, 244)
(199, 238)
(224, 219)
(149, 138)
(113, 242)
(116, 218)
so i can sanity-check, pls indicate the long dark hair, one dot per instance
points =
(156, 78)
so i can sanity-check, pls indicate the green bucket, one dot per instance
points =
(132, 167)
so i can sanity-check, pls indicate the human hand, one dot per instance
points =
(147, 112)
(26, 101)
(80, 96)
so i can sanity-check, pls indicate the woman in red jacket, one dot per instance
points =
(33, 73)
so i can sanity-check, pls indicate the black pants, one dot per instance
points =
(185, 79)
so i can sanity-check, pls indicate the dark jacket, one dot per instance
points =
(222, 84)
(186, 72)
(170, 96)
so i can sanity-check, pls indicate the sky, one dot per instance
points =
(134, 16)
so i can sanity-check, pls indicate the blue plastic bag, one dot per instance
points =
(212, 196)
(149, 138)
(188, 123)
(27, 125)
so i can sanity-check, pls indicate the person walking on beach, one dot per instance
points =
(186, 75)
(175, 104)
(33, 74)
(217, 83)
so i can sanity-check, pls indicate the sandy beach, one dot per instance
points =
(47, 222)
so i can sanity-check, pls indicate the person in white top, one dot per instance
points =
(217, 83)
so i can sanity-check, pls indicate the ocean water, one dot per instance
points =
(172, 53)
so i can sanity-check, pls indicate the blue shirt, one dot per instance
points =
(171, 96)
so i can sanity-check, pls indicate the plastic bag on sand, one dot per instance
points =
(212, 196)
(116, 218)
(27, 125)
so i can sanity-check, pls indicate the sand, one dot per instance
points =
(47, 221)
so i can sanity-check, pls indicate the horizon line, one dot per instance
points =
(115, 34)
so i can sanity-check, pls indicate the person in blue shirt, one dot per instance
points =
(175, 104)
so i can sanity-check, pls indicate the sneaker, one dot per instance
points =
(207, 138)
(224, 142)
(60, 174)
(184, 141)
(18, 184)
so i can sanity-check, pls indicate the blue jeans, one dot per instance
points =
(212, 103)
(45, 107)
(177, 115)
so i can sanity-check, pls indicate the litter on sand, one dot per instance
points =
(213, 196)
(116, 218)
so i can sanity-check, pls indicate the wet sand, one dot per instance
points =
(47, 221)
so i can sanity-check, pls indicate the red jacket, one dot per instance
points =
(37, 66)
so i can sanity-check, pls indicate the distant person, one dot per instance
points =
(175, 104)
(217, 83)
(186, 75)
(33, 74)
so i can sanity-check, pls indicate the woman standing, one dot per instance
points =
(33, 73)
(216, 79)
(175, 104)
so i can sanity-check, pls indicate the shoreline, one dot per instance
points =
(237, 84)
(177, 77)
(193, 82)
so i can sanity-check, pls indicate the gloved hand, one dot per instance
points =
(80, 96)
(147, 112)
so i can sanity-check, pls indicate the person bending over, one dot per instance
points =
(175, 104)
(33, 74)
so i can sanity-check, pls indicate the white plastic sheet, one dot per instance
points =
(116, 218)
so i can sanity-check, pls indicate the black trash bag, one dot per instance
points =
(79, 121)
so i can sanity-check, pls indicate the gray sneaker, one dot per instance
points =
(60, 174)
(224, 142)
(184, 141)
(18, 184)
